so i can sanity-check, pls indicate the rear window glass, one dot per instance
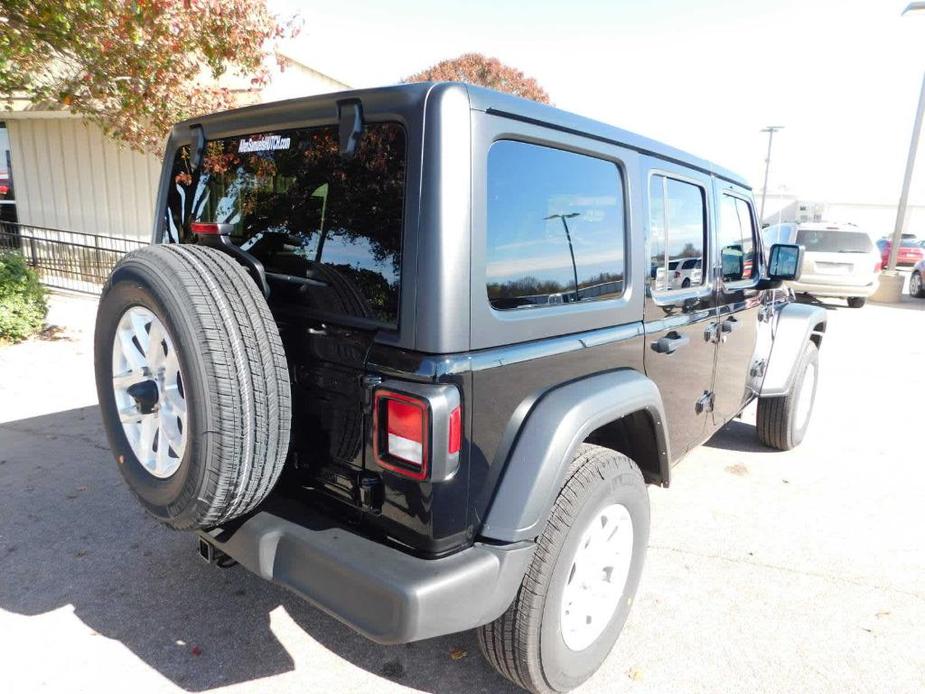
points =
(831, 241)
(555, 227)
(326, 228)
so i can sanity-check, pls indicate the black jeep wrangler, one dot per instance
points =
(416, 352)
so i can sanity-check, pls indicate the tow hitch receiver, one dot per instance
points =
(210, 555)
(206, 551)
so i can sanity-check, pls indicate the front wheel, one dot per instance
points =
(783, 421)
(577, 593)
(856, 301)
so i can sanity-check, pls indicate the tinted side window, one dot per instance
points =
(677, 232)
(555, 230)
(736, 237)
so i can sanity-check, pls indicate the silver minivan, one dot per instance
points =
(840, 260)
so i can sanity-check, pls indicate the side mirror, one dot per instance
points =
(785, 262)
(733, 261)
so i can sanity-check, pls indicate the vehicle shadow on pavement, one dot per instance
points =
(738, 436)
(72, 535)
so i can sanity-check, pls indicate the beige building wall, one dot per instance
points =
(68, 175)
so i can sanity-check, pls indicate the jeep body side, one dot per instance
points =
(643, 368)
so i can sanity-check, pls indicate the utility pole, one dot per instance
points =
(568, 238)
(907, 181)
(770, 130)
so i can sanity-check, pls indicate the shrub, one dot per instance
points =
(23, 299)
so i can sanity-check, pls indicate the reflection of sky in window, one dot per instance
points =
(528, 183)
(685, 219)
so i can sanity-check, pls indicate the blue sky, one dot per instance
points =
(841, 75)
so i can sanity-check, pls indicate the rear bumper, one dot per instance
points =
(383, 593)
(842, 291)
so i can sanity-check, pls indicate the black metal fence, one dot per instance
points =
(67, 259)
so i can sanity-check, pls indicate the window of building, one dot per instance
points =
(736, 237)
(556, 227)
(305, 211)
(7, 193)
(677, 234)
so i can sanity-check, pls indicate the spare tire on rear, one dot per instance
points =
(192, 384)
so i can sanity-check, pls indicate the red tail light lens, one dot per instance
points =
(455, 442)
(878, 266)
(402, 429)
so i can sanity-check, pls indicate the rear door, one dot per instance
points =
(679, 350)
(328, 231)
(744, 337)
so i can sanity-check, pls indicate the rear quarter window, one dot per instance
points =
(556, 227)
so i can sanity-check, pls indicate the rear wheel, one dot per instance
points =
(783, 421)
(856, 301)
(576, 595)
(192, 384)
(916, 286)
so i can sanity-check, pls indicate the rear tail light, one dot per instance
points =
(878, 266)
(455, 437)
(402, 430)
(417, 435)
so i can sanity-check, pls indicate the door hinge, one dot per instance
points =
(705, 402)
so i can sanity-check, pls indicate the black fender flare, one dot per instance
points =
(558, 423)
(797, 324)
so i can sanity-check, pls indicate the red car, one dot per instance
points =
(910, 251)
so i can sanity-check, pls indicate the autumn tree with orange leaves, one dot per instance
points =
(134, 67)
(475, 68)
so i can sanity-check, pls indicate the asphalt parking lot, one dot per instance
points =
(767, 571)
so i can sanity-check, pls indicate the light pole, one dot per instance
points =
(910, 165)
(568, 237)
(770, 130)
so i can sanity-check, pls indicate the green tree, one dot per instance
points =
(475, 68)
(135, 67)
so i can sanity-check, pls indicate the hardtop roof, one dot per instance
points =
(489, 101)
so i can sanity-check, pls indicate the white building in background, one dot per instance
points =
(60, 171)
(877, 219)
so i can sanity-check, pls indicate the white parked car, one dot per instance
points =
(840, 260)
(685, 272)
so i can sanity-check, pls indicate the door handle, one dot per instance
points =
(669, 343)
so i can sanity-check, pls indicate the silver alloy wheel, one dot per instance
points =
(597, 578)
(915, 284)
(148, 388)
(805, 403)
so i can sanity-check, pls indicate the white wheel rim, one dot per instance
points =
(597, 577)
(148, 388)
(805, 403)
